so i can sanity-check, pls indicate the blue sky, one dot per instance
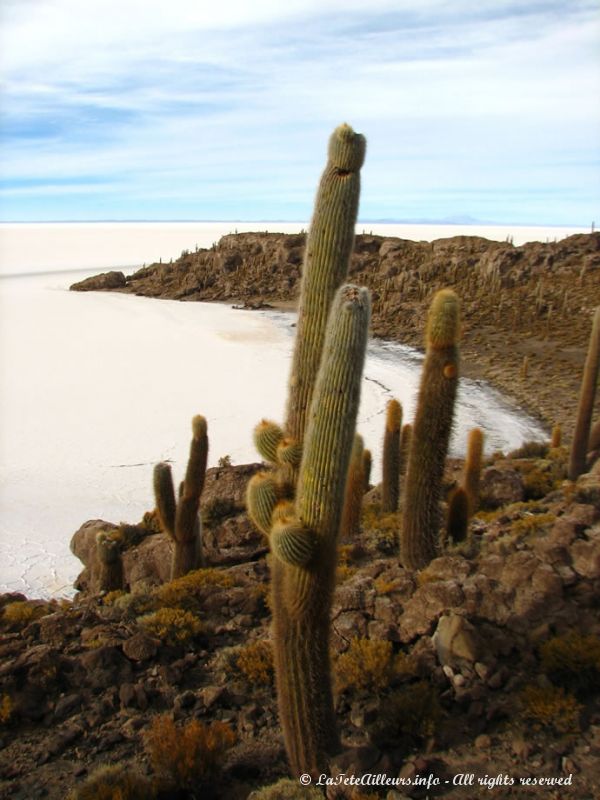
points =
(188, 109)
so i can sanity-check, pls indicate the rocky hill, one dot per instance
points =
(526, 310)
(485, 664)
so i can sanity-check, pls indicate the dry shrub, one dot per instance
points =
(408, 717)
(191, 754)
(286, 789)
(551, 708)
(255, 662)
(20, 613)
(116, 782)
(173, 626)
(188, 591)
(573, 662)
(369, 665)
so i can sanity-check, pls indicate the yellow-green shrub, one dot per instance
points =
(286, 789)
(187, 592)
(255, 662)
(573, 661)
(116, 782)
(22, 612)
(182, 757)
(174, 626)
(408, 716)
(368, 665)
(552, 708)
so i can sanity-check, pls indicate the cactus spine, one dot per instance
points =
(390, 486)
(431, 434)
(581, 436)
(304, 545)
(472, 474)
(180, 518)
(355, 488)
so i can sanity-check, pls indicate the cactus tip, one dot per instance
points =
(444, 319)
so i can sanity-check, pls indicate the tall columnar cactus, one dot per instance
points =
(326, 260)
(180, 518)
(587, 393)
(390, 485)
(303, 541)
(405, 438)
(421, 516)
(472, 473)
(355, 489)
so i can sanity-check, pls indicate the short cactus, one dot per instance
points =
(367, 466)
(180, 518)
(556, 437)
(581, 436)
(355, 489)
(108, 548)
(472, 473)
(421, 516)
(390, 484)
(457, 525)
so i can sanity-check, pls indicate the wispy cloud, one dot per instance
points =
(137, 109)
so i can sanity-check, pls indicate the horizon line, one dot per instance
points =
(377, 221)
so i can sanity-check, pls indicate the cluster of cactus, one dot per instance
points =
(421, 515)
(464, 500)
(299, 503)
(581, 437)
(179, 517)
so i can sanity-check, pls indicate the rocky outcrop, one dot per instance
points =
(532, 302)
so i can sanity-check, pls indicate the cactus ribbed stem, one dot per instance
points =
(326, 260)
(390, 484)
(355, 489)
(421, 517)
(472, 473)
(367, 466)
(587, 393)
(302, 596)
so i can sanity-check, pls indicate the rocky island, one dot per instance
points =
(433, 636)
(526, 310)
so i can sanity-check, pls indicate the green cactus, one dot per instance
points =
(390, 484)
(587, 393)
(421, 518)
(267, 436)
(472, 471)
(457, 525)
(355, 489)
(326, 260)
(304, 541)
(180, 518)
(108, 548)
